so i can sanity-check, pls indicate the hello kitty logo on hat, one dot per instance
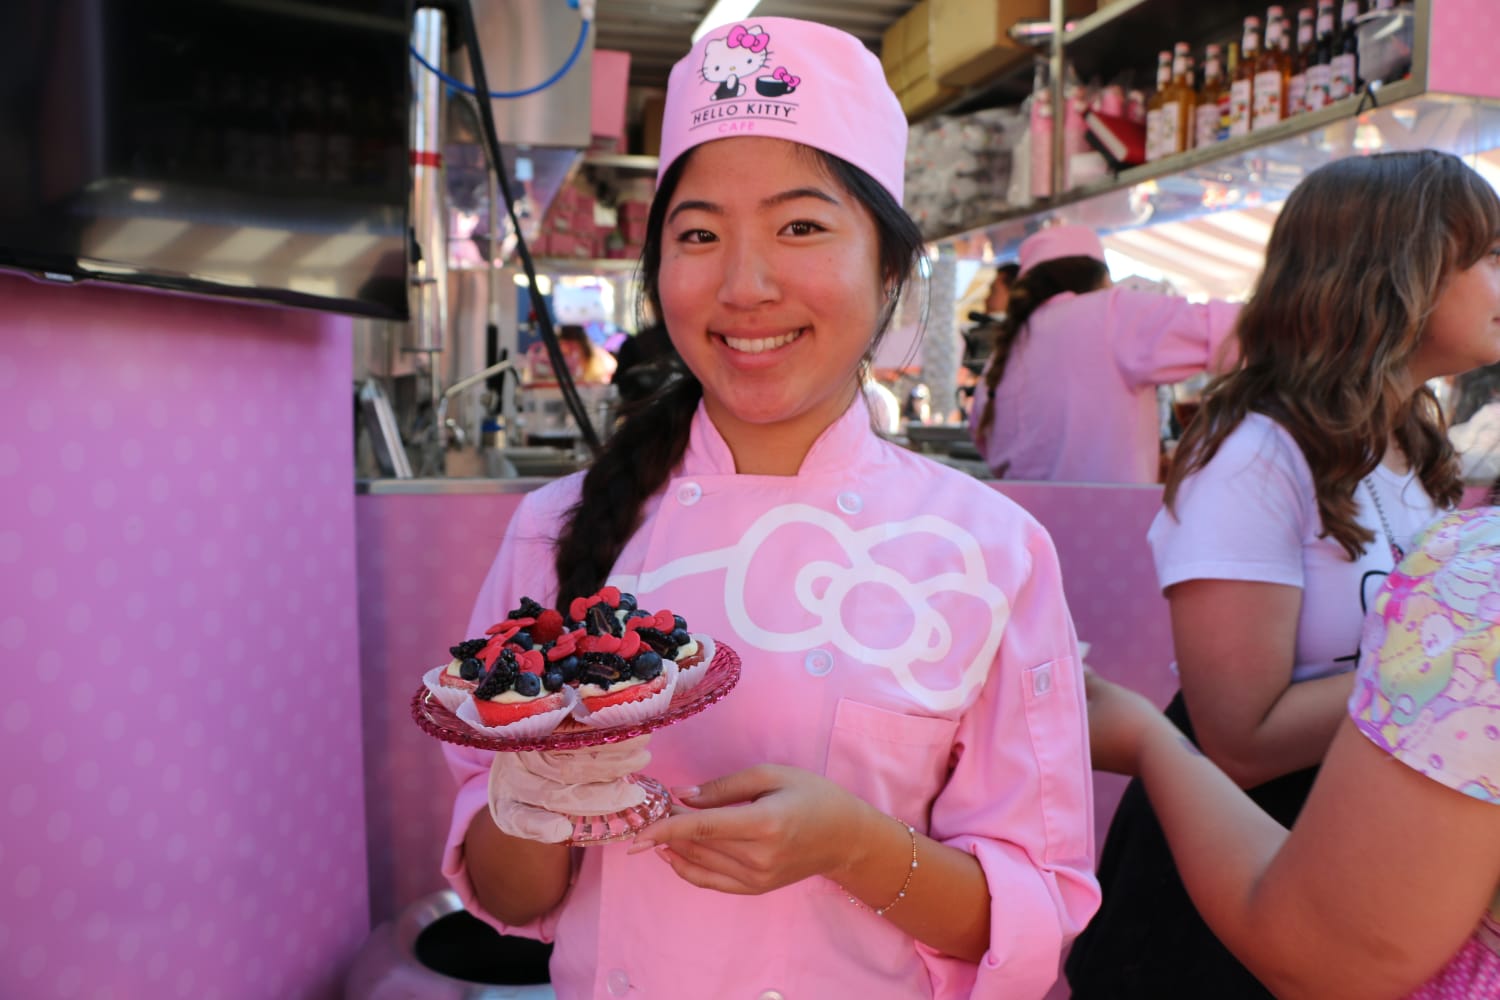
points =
(739, 61)
(783, 78)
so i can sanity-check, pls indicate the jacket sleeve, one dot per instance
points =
(522, 568)
(1161, 339)
(1020, 795)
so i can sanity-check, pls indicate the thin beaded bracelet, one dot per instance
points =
(911, 832)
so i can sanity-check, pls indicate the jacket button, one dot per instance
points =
(689, 494)
(617, 982)
(818, 662)
(850, 502)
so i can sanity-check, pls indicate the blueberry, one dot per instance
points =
(627, 602)
(568, 667)
(470, 669)
(552, 680)
(522, 639)
(646, 665)
(680, 637)
(679, 623)
(528, 685)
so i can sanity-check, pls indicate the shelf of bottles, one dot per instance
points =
(1279, 95)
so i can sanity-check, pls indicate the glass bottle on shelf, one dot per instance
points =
(1268, 90)
(1345, 65)
(1177, 104)
(1296, 86)
(1153, 106)
(1320, 70)
(1206, 114)
(1226, 94)
(1242, 90)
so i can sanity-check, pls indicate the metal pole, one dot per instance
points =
(1056, 65)
(429, 322)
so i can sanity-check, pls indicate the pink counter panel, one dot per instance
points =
(181, 796)
(422, 559)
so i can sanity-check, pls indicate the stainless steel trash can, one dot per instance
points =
(434, 950)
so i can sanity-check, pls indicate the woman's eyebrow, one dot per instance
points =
(694, 206)
(795, 193)
(781, 198)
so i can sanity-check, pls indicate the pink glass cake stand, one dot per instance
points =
(722, 674)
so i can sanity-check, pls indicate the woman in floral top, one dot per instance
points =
(1386, 887)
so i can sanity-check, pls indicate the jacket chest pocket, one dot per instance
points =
(895, 762)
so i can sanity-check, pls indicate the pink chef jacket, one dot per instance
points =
(1077, 402)
(903, 632)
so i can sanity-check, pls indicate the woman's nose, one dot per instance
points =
(749, 275)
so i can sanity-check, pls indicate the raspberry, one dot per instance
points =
(549, 625)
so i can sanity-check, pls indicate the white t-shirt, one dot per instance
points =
(1252, 514)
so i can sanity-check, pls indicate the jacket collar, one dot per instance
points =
(843, 445)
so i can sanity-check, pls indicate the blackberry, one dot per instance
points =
(603, 669)
(528, 609)
(658, 641)
(600, 620)
(491, 685)
(467, 648)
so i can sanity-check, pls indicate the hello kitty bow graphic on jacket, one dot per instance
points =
(743, 54)
(935, 629)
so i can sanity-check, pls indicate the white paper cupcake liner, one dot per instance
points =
(688, 678)
(530, 728)
(449, 697)
(632, 711)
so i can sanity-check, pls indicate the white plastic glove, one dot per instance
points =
(535, 793)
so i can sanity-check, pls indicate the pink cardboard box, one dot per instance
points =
(611, 79)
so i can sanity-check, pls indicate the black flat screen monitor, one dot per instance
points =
(249, 148)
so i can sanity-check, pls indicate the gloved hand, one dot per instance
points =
(534, 793)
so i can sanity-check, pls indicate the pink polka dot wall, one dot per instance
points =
(181, 800)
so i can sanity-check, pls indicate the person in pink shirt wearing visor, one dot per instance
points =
(1069, 394)
(895, 800)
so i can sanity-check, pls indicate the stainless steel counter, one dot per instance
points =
(448, 487)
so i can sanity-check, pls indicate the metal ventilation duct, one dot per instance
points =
(524, 43)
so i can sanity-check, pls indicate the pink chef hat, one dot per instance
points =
(1059, 241)
(784, 78)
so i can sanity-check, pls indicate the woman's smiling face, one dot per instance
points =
(770, 288)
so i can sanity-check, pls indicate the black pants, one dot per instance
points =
(1147, 941)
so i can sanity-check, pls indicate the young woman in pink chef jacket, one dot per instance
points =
(1295, 492)
(895, 800)
(1069, 394)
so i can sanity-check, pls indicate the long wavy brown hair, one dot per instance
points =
(1355, 264)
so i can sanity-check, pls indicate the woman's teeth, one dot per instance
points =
(761, 344)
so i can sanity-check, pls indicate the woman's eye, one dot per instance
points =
(803, 228)
(695, 236)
